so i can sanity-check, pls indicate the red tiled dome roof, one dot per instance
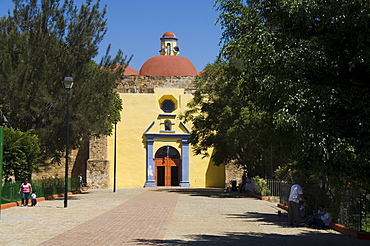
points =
(169, 34)
(127, 71)
(130, 71)
(168, 66)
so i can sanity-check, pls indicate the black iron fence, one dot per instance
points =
(43, 188)
(269, 187)
(348, 207)
(354, 210)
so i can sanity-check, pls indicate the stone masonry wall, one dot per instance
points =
(147, 84)
(98, 148)
(233, 172)
(56, 170)
(97, 170)
(97, 174)
(76, 165)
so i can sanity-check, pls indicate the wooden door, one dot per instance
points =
(167, 167)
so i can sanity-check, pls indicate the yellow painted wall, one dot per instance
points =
(136, 116)
(139, 111)
(215, 175)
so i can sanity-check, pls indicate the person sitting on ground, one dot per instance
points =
(244, 181)
(248, 184)
(320, 211)
(302, 209)
(322, 218)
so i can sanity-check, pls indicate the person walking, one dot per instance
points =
(26, 189)
(80, 179)
(33, 197)
(295, 197)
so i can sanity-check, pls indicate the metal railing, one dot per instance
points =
(43, 188)
(350, 208)
(354, 210)
(270, 187)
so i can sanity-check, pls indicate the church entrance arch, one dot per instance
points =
(167, 166)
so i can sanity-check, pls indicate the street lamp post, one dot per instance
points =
(115, 157)
(68, 82)
(1, 160)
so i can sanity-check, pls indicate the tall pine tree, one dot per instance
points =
(43, 41)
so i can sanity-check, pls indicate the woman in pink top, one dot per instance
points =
(26, 189)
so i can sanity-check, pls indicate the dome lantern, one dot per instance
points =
(168, 63)
(169, 44)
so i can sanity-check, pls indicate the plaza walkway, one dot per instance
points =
(172, 216)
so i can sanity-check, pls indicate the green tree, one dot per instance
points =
(41, 42)
(302, 68)
(21, 153)
(225, 118)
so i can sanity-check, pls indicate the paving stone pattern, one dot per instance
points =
(173, 216)
(145, 217)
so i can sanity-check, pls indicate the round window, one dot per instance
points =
(168, 106)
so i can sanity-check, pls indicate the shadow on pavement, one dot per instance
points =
(261, 217)
(62, 198)
(307, 238)
(206, 192)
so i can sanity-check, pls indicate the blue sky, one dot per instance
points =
(135, 26)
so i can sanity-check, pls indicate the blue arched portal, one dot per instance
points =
(150, 157)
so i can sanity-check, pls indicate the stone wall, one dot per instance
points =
(98, 148)
(147, 84)
(56, 170)
(76, 165)
(97, 174)
(233, 172)
(97, 169)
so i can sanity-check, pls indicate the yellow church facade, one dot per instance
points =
(151, 144)
(149, 147)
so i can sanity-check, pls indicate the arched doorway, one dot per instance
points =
(167, 166)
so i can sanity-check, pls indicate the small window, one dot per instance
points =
(168, 106)
(168, 49)
(167, 125)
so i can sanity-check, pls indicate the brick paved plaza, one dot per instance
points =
(170, 216)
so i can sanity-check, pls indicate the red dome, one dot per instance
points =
(130, 71)
(169, 34)
(168, 66)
